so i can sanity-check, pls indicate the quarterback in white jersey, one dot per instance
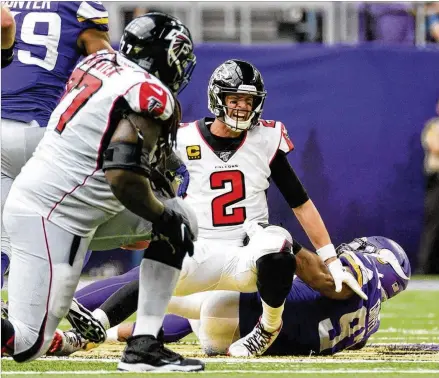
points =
(230, 159)
(111, 129)
(228, 187)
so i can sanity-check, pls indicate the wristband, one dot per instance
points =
(326, 252)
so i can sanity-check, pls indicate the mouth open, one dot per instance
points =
(240, 116)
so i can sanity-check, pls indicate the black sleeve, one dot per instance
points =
(7, 56)
(287, 181)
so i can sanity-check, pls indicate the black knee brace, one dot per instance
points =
(275, 276)
(162, 251)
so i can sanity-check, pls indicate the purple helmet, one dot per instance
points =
(388, 257)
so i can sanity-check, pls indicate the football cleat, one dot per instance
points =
(83, 321)
(146, 353)
(255, 343)
(66, 343)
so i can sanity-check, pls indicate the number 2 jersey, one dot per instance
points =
(46, 52)
(63, 181)
(229, 176)
(314, 324)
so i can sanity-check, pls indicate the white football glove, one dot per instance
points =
(339, 273)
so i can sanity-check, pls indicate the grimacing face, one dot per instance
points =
(239, 106)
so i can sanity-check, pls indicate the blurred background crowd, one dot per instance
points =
(372, 72)
(329, 22)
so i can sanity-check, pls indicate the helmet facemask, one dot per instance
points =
(162, 46)
(222, 111)
(388, 257)
(182, 59)
(236, 77)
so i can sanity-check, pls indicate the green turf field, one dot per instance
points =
(401, 348)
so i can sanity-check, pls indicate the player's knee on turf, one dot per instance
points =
(219, 318)
(275, 273)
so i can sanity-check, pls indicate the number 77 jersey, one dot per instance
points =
(229, 176)
(64, 181)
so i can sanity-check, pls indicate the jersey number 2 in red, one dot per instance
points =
(236, 215)
(85, 86)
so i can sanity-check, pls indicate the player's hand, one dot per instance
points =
(341, 275)
(184, 174)
(174, 227)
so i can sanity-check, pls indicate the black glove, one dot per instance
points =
(175, 227)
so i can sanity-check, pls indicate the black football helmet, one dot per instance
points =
(236, 76)
(161, 45)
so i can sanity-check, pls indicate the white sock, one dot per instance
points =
(112, 333)
(102, 317)
(157, 282)
(271, 317)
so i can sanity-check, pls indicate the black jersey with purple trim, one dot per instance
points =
(314, 324)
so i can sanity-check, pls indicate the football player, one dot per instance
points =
(313, 323)
(50, 38)
(230, 159)
(114, 124)
(316, 320)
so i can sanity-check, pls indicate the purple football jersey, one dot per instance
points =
(314, 324)
(45, 54)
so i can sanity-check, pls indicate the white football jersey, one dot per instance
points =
(63, 181)
(229, 186)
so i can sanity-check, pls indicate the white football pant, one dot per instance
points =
(214, 318)
(45, 268)
(217, 265)
(19, 140)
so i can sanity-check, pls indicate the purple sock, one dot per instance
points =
(175, 328)
(93, 295)
(5, 265)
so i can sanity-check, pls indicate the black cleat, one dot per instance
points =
(83, 321)
(146, 353)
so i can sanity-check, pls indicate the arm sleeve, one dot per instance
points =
(287, 181)
(92, 15)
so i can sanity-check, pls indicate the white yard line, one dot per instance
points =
(261, 360)
(323, 371)
(409, 331)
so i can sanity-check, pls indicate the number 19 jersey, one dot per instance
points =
(46, 52)
(229, 176)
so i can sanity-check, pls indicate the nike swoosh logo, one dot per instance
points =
(171, 362)
(159, 91)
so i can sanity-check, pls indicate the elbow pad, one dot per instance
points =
(7, 56)
(127, 156)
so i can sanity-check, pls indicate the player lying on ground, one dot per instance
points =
(314, 322)
(112, 127)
